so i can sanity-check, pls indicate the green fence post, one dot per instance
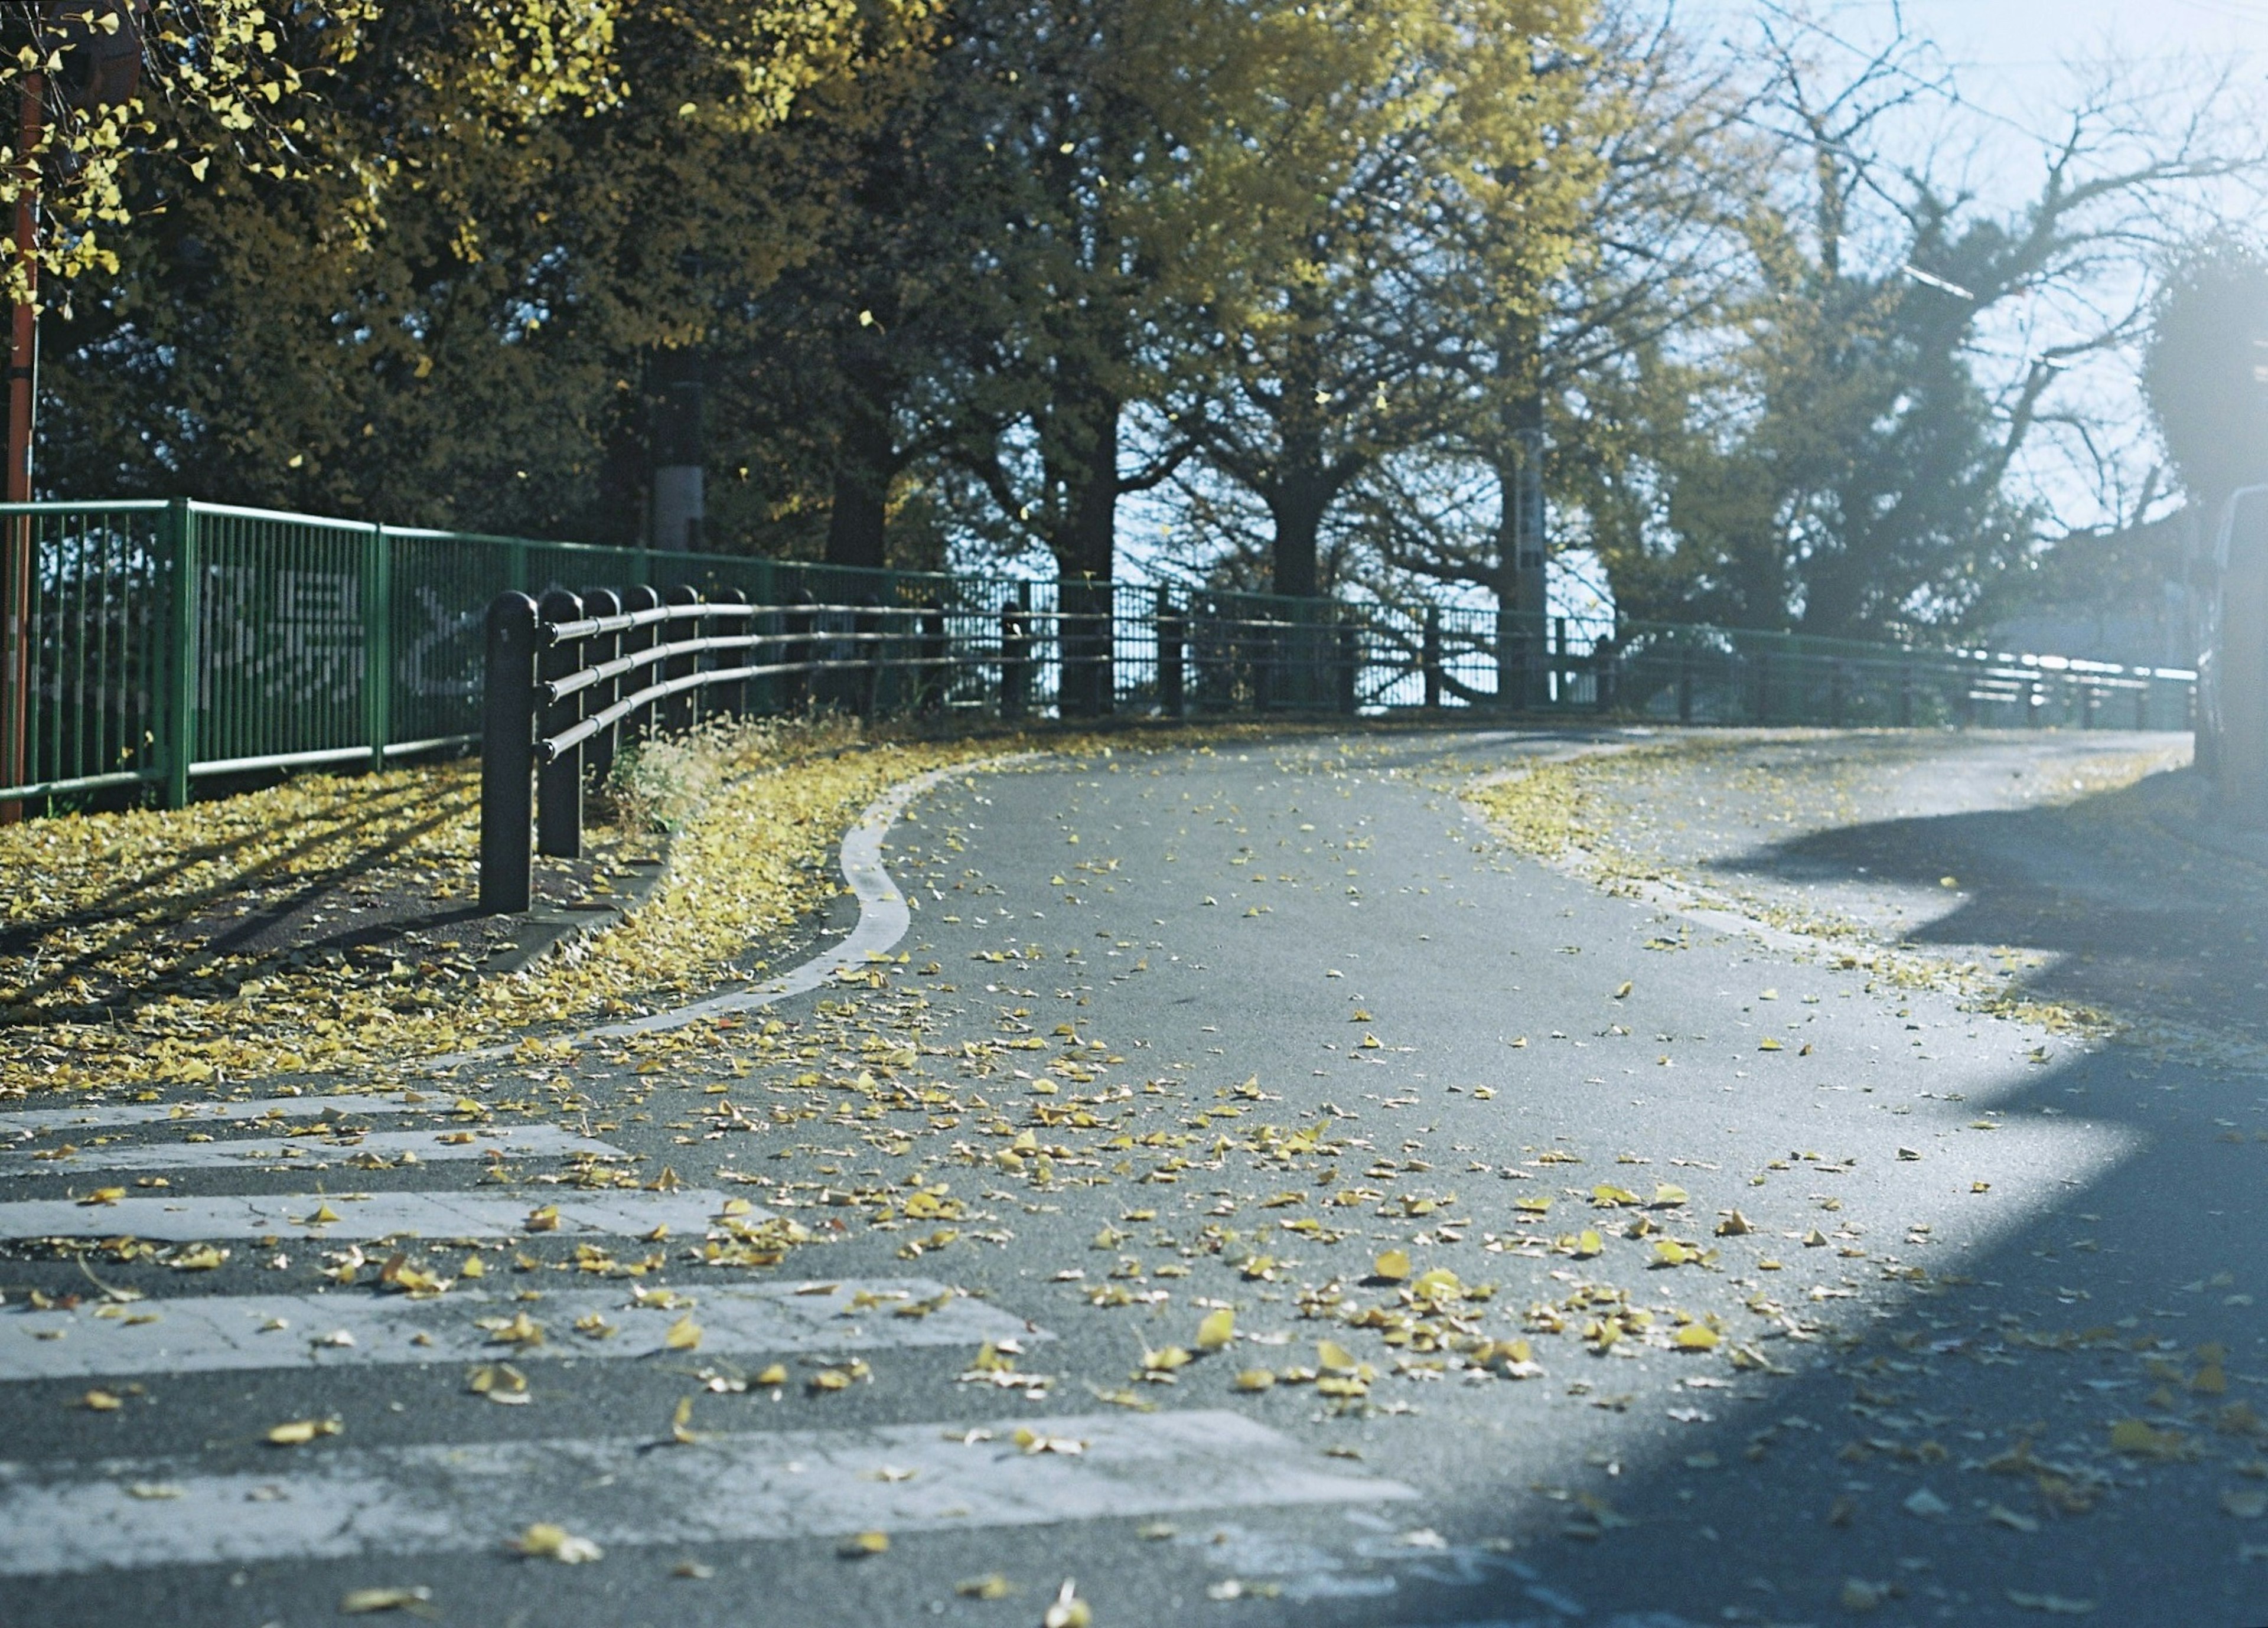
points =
(377, 644)
(180, 744)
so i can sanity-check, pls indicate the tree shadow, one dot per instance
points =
(2099, 902)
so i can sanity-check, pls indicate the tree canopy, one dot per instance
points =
(1357, 296)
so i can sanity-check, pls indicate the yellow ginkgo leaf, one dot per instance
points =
(548, 1541)
(1699, 1336)
(299, 1432)
(1333, 1357)
(1393, 1265)
(683, 1335)
(1217, 1328)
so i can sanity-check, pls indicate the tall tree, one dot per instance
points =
(438, 312)
(1858, 485)
(1376, 133)
(2205, 369)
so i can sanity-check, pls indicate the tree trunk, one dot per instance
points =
(1296, 502)
(865, 463)
(1086, 553)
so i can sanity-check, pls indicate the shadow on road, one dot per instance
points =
(2117, 910)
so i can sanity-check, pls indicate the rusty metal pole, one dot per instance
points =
(15, 486)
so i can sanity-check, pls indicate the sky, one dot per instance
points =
(2007, 52)
(2015, 65)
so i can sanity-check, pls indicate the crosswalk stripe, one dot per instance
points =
(736, 1487)
(306, 1153)
(360, 1217)
(100, 1116)
(212, 1333)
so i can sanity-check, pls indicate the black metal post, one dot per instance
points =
(681, 711)
(558, 781)
(1430, 655)
(872, 654)
(1267, 651)
(732, 698)
(796, 654)
(508, 756)
(639, 724)
(1015, 656)
(933, 680)
(599, 750)
(1173, 641)
(1349, 657)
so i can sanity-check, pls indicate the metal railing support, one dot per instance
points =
(179, 740)
(559, 780)
(1429, 655)
(599, 751)
(639, 596)
(871, 650)
(1015, 656)
(732, 698)
(377, 644)
(801, 693)
(682, 711)
(1346, 678)
(933, 679)
(508, 757)
(1173, 652)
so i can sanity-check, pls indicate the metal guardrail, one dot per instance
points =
(166, 643)
(570, 678)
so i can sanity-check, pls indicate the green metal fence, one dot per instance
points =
(167, 642)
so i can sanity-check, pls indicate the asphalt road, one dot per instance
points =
(1780, 1285)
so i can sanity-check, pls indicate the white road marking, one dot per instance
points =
(378, 1215)
(207, 1334)
(883, 917)
(323, 1504)
(310, 1153)
(100, 1116)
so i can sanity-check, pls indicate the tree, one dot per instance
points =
(440, 311)
(1857, 484)
(2205, 369)
(1373, 133)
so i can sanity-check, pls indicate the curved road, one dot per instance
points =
(1607, 1262)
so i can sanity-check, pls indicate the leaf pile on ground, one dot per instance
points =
(117, 967)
